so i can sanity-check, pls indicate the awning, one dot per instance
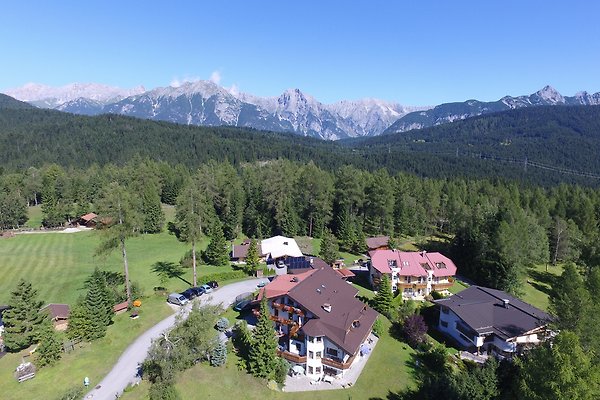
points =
(298, 369)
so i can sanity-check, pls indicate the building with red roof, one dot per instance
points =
(414, 274)
(321, 325)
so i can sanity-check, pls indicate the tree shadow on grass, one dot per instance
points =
(167, 270)
(541, 280)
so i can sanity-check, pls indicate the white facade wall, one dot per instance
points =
(316, 349)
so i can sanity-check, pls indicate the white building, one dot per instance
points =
(491, 320)
(320, 323)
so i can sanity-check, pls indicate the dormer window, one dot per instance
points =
(405, 263)
(392, 263)
(440, 265)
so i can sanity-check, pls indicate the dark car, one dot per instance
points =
(243, 305)
(198, 290)
(189, 294)
(213, 284)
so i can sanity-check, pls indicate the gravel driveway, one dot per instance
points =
(125, 370)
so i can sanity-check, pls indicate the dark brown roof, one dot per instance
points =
(377, 242)
(345, 273)
(484, 311)
(349, 321)
(60, 311)
(240, 251)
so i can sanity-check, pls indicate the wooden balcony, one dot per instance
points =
(441, 286)
(290, 309)
(413, 285)
(292, 357)
(336, 363)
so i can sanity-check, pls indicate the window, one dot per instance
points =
(310, 370)
(298, 347)
(319, 339)
(445, 310)
(405, 263)
(319, 354)
(317, 370)
(311, 354)
(443, 323)
(392, 263)
(311, 339)
(332, 352)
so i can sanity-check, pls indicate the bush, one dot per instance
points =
(163, 391)
(414, 329)
(221, 276)
(222, 324)
(75, 393)
(378, 327)
(437, 295)
(281, 371)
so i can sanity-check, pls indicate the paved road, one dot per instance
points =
(125, 370)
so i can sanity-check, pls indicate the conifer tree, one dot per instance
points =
(383, 300)
(262, 360)
(120, 219)
(252, 257)
(23, 320)
(193, 214)
(154, 217)
(78, 321)
(217, 252)
(346, 231)
(329, 248)
(98, 306)
(569, 299)
(218, 355)
(50, 348)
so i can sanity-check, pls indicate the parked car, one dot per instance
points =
(199, 290)
(189, 294)
(261, 284)
(213, 284)
(207, 288)
(242, 305)
(177, 298)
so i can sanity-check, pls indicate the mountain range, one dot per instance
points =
(206, 103)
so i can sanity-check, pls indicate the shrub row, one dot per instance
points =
(222, 276)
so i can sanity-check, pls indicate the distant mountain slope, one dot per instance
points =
(449, 112)
(7, 102)
(561, 136)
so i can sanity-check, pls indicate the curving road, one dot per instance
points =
(125, 370)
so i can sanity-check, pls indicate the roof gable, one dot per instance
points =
(483, 309)
(280, 246)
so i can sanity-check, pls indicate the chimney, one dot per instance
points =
(505, 302)
(327, 307)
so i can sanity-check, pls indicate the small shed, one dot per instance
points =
(59, 315)
(88, 220)
(345, 273)
(120, 308)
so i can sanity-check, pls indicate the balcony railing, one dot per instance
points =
(292, 357)
(336, 363)
(441, 286)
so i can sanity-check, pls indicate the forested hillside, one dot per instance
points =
(490, 146)
(565, 137)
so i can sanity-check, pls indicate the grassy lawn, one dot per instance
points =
(376, 380)
(93, 359)
(35, 217)
(58, 263)
(536, 288)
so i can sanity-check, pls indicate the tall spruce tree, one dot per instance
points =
(78, 321)
(262, 359)
(193, 214)
(329, 248)
(217, 252)
(50, 348)
(98, 306)
(252, 257)
(120, 219)
(23, 320)
(569, 299)
(383, 299)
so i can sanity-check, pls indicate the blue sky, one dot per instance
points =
(413, 52)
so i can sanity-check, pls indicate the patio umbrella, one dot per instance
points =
(365, 349)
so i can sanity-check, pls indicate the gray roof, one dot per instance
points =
(349, 321)
(483, 310)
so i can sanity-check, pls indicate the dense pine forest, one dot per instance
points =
(542, 146)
